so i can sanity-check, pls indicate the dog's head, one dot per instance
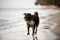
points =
(27, 16)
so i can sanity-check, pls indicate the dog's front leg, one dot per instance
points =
(33, 28)
(28, 30)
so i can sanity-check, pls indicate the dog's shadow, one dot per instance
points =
(35, 37)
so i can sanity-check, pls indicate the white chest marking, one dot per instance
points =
(31, 23)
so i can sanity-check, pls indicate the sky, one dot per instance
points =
(17, 3)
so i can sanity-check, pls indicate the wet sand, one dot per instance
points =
(14, 27)
(19, 31)
(56, 29)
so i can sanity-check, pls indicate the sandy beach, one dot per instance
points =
(56, 29)
(13, 27)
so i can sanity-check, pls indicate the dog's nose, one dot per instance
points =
(24, 17)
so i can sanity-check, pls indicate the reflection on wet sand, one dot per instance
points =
(35, 37)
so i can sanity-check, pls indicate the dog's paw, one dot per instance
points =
(35, 32)
(28, 33)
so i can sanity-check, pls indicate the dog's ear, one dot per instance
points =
(36, 13)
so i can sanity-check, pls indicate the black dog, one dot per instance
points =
(32, 21)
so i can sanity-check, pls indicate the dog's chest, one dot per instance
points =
(31, 23)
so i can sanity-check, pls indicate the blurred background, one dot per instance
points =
(13, 26)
